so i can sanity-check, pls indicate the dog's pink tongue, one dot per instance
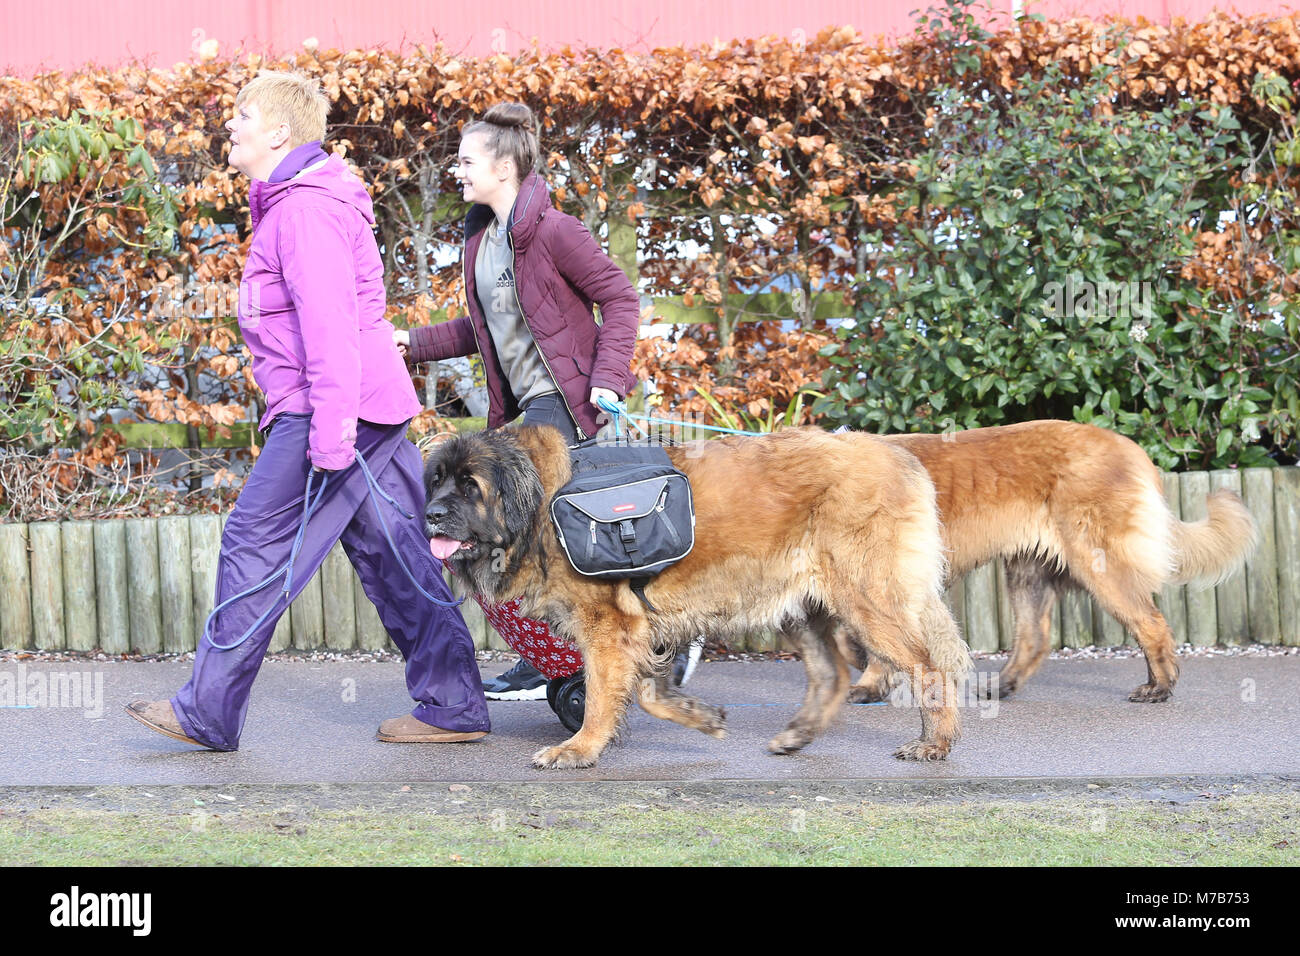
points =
(443, 548)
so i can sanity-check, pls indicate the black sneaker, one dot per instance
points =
(521, 682)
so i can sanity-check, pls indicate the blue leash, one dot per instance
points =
(286, 570)
(372, 486)
(621, 414)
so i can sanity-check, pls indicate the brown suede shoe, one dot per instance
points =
(412, 730)
(158, 715)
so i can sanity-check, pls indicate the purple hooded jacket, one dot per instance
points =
(311, 306)
(559, 272)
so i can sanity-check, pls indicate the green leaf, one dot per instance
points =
(1224, 442)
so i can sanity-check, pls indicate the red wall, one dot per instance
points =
(62, 34)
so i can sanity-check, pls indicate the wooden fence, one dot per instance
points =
(146, 585)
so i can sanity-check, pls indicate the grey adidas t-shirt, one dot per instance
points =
(494, 278)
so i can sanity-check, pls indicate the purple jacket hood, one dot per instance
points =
(312, 306)
(327, 176)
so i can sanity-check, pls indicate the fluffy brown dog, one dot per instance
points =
(832, 537)
(1071, 505)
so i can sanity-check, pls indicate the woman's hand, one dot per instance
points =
(402, 339)
(606, 394)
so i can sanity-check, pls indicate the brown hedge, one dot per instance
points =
(684, 146)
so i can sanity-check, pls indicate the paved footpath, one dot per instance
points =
(313, 723)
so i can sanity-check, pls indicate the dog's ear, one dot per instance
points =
(428, 444)
(520, 488)
(520, 493)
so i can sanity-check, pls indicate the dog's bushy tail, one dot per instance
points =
(1213, 549)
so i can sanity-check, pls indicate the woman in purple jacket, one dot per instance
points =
(338, 400)
(532, 274)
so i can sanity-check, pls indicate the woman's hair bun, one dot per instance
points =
(511, 132)
(511, 115)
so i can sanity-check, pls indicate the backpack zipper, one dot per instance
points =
(659, 510)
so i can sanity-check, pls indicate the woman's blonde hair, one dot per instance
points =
(289, 98)
(511, 133)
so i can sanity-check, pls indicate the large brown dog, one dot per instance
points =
(1071, 505)
(833, 537)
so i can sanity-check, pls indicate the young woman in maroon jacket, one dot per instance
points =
(532, 274)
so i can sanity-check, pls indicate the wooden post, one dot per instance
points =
(479, 629)
(492, 640)
(282, 636)
(307, 616)
(1055, 629)
(956, 597)
(1076, 618)
(338, 604)
(144, 602)
(1172, 599)
(79, 618)
(15, 588)
(1286, 525)
(1006, 623)
(112, 604)
(1230, 596)
(982, 609)
(205, 555)
(1264, 620)
(176, 583)
(371, 635)
(1106, 631)
(47, 584)
(1202, 615)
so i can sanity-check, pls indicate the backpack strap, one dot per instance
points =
(638, 588)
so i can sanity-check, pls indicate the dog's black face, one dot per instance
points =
(482, 497)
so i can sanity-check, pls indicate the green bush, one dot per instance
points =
(1039, 273)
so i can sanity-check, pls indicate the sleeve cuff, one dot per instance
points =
(333, 461)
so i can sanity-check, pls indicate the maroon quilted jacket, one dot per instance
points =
(559, 272)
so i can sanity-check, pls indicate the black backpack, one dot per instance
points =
(625, 514)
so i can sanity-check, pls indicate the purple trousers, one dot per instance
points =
(441, 673)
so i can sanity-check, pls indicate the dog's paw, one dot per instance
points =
(1002, 689)
(922, 749)
(866, 695)
(788, 742)
(712, 721)
(562, 757)
(1151, 694)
